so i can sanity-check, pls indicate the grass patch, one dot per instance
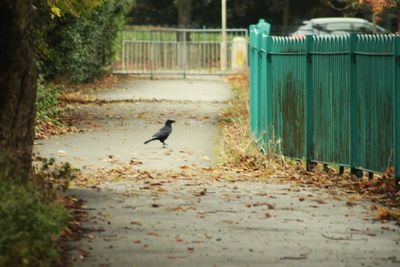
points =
(237, 147)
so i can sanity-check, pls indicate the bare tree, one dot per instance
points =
(17, 87)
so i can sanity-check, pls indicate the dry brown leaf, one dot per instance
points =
(152, 233)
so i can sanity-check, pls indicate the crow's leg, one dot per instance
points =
(164, 144)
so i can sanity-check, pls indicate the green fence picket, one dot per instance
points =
(396, 111)
(328, 99)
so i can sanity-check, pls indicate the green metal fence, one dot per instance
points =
(327, 99)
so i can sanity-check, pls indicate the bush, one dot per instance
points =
(29, 225)
(80, 47)
(47, 98)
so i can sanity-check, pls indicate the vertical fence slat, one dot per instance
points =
(309, 102)
(259, 86)
(263, 92)
(342, 107)
(353, 104)
(268, 88)
(396, 109)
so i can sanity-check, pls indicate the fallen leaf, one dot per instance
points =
(201, 193)
(382, 213)
(152, 233)
(62, 153)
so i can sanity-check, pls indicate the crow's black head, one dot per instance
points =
(169, 122)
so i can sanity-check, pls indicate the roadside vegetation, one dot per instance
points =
(33, 215)
(74, 44)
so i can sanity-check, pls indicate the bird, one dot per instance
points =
(163, 133)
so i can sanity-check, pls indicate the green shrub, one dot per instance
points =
(56, 175)
(47, 98)
(29, 224)
(79, 48)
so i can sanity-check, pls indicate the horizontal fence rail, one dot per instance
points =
(181, 51)
(328, 99)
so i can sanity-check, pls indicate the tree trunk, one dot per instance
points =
(184, 18)
(184, 13)
(17, 88)
(285, 17)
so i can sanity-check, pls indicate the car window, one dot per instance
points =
(338, 27)
(333, 27)
(363, 28)
(305, 29)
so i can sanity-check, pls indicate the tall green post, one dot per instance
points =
(396, 109)
(252, 53)
(263, 27)
(309, 103)
(256, 32)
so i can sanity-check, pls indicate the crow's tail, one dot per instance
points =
(152, 139)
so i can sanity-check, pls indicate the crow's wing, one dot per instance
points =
(163, 133)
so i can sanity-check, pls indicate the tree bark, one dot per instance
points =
(184, 18)
(17, 88)
(184, 13)
(285, 16)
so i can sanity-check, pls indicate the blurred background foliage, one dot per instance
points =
(282, 14)
(75, 38)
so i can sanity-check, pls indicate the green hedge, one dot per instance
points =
(80, 48)
(47, 98)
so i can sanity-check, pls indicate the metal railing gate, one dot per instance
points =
(181, 51)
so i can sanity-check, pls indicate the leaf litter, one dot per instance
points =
(241, 160)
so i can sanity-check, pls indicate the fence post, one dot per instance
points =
(263, 92)
(184, 53)
(256, 32)
(396, 108)
(354, 159)
(263, 29)
(151, 54)
(122, 51)
(309, 103)
(268, 88)
(253, 78)
(259, 86)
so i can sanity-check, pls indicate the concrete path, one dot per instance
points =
(178, 219)
(118, 130)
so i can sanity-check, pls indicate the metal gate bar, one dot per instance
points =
(180, 51)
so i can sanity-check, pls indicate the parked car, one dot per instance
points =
(323, 26)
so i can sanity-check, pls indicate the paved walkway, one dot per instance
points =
(175, 219)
